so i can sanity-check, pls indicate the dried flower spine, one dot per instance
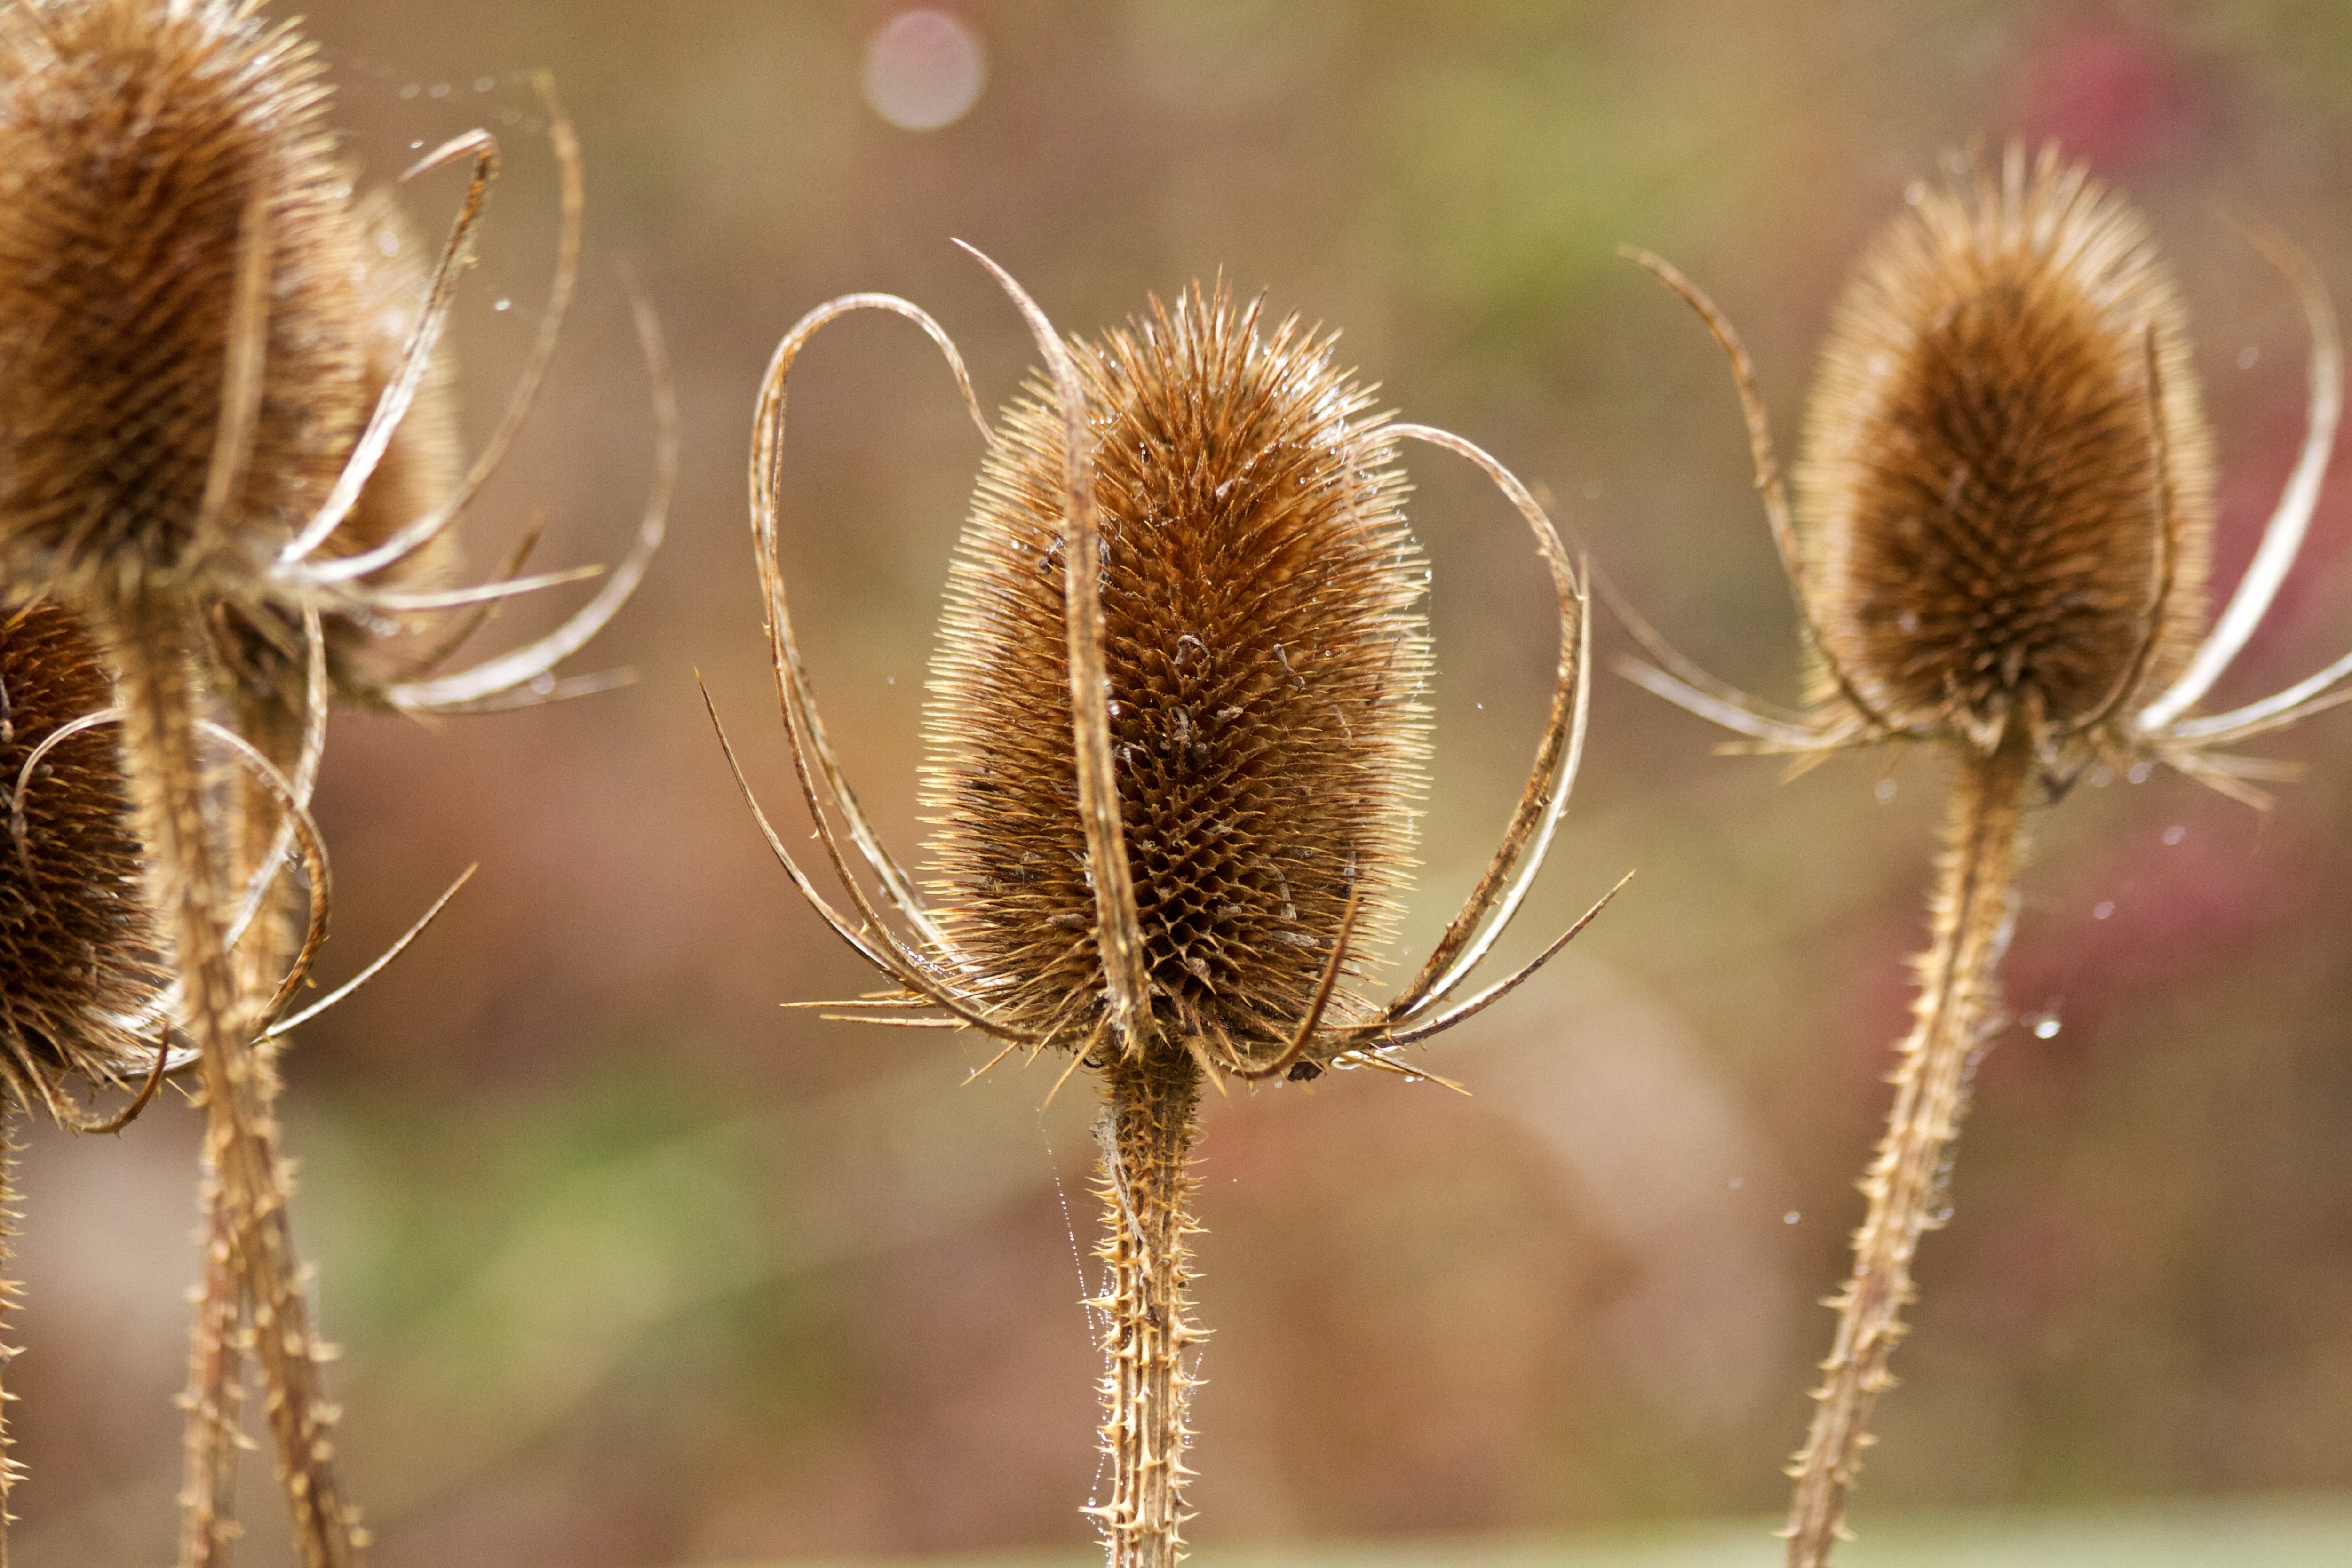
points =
(2000, 548)
(1174, 737)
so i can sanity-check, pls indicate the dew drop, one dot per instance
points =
(484, 83)
(502, 304)
(1884, 791)
(543, 683)
(1737, 1183)
(2138, 774)
(2249, 356)
(438, 90)
(411, 90)
(1792, 1217)
(2102, 910)
(2175, 834)
(1915, 193)
(2102, 776)
(414, 146)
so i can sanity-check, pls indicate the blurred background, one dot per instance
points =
(634, 1267)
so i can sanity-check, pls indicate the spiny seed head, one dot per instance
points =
(76, 945)
(1267, 651)
(134, 137)
(2006, 428)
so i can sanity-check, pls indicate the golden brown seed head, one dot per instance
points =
(76, 944)
(1987, 485)
(1267, 651)
(132, 136)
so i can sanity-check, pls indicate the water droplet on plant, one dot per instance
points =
(1886, 791)
(2249, 356)
(411, 90)
(2102, 910)
(2139, 772)
(1792, 1217)
(484, 83)
(2046, 1026)
(438, 90)
(1737, 1183)
(502, 304)
(2175, 834)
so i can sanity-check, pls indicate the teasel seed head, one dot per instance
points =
(141, 144)
(77, 945)
(1267, 650)
(2006, 495)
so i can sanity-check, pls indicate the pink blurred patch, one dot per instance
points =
(2103, 90)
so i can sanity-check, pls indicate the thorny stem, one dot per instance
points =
(1971, 915)
(214, 1395)
(10, 1293)
(1152, 1110)
(214, 1400)
(163, 761)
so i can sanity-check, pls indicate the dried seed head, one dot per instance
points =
(1997, 519)
(1266, 648)
(133, 137)
(77, 942)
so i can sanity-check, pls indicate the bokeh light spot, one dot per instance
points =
(924, 69)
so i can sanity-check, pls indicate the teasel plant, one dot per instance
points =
(1175, 738)
(229, 462)
(1999, 550)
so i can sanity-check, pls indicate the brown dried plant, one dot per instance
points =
(1175, 738)
(226, 456)
(1999, 548)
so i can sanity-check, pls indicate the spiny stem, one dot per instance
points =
(213, 1399)
(1149, 1120)
(163, 759)
(215, 1396)
(10, 1471)
(1983, 840)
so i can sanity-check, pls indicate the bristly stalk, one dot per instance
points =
(1958, 991)
(1150, 1117)
(163, 757)
(11, 1293)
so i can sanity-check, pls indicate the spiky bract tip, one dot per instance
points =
(2007, 491)
(1267, 651)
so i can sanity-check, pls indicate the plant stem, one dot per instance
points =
(1969, 911)
(153, 643)
(1150, 1118)
(10, 1471)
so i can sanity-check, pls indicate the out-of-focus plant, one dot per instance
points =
(227, 461)
(1999, 549)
